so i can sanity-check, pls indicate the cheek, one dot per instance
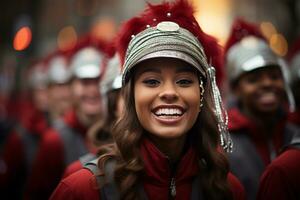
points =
(192, 97)
(77, 90)
(143, 100)
(244, 91)
(280, 85)
(56, 92)
(140, 100)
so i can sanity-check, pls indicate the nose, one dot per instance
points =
(92, 88)
(266, 80)
(168, 92)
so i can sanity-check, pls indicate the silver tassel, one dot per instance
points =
(220, 113)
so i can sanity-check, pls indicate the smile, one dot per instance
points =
(267, 98)
(168, 113)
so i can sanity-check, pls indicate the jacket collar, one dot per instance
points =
(158, 167)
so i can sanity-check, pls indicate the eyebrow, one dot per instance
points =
(150, 69)
(186, 69)
(157, 70)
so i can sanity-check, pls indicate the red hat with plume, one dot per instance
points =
(88, 58)
(180, 12)
(58, 68)
(246, 50)
(88, 40)
(241, 29)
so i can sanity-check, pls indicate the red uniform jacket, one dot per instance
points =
(281, 180)
(295, 117)
(156, 180)
(252, 151)
(73, 167)
(50, 163)
(18, 154)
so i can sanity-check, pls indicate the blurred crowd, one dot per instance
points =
(74, 98)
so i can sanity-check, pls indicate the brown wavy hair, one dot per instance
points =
(128, 134)
(100, 132)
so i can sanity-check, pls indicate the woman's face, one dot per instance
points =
(60, 98)
(86, 95)
(262, 90)
(167, 97)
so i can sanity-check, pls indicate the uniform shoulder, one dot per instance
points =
(288, 161)
(73, 167)
(236, 187)
(79, 185)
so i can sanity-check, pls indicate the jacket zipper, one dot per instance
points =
(172, 188)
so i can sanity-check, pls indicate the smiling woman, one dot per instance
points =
(167, 100)
(167, 143)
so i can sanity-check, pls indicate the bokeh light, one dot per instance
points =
(279, 44)
(22, 38)
(104, 29)
(214, 17)
(67, 38)
(268, 29)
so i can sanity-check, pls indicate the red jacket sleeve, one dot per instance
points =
(281, 179)
(11, 158)
(12, 166)
(47, 168)
(80, 185)
(73, 167)
(236, 187)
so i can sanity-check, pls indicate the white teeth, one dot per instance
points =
(168, 111)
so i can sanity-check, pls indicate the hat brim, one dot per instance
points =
(259, 61)
(169, 54)
(87, 71)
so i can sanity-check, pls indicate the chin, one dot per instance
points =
(268, 109)
(168, 134)
(92, 110)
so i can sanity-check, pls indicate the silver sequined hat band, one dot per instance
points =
(166, 40)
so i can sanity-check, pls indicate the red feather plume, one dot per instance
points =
(182, 13)
(294, 50)
(53, 54)
(241, 29)
(88, 40)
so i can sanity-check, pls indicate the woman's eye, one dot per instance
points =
(184, 82)
(151, 82)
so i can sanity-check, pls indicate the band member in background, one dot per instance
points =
(67, 140)
(258, 121)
